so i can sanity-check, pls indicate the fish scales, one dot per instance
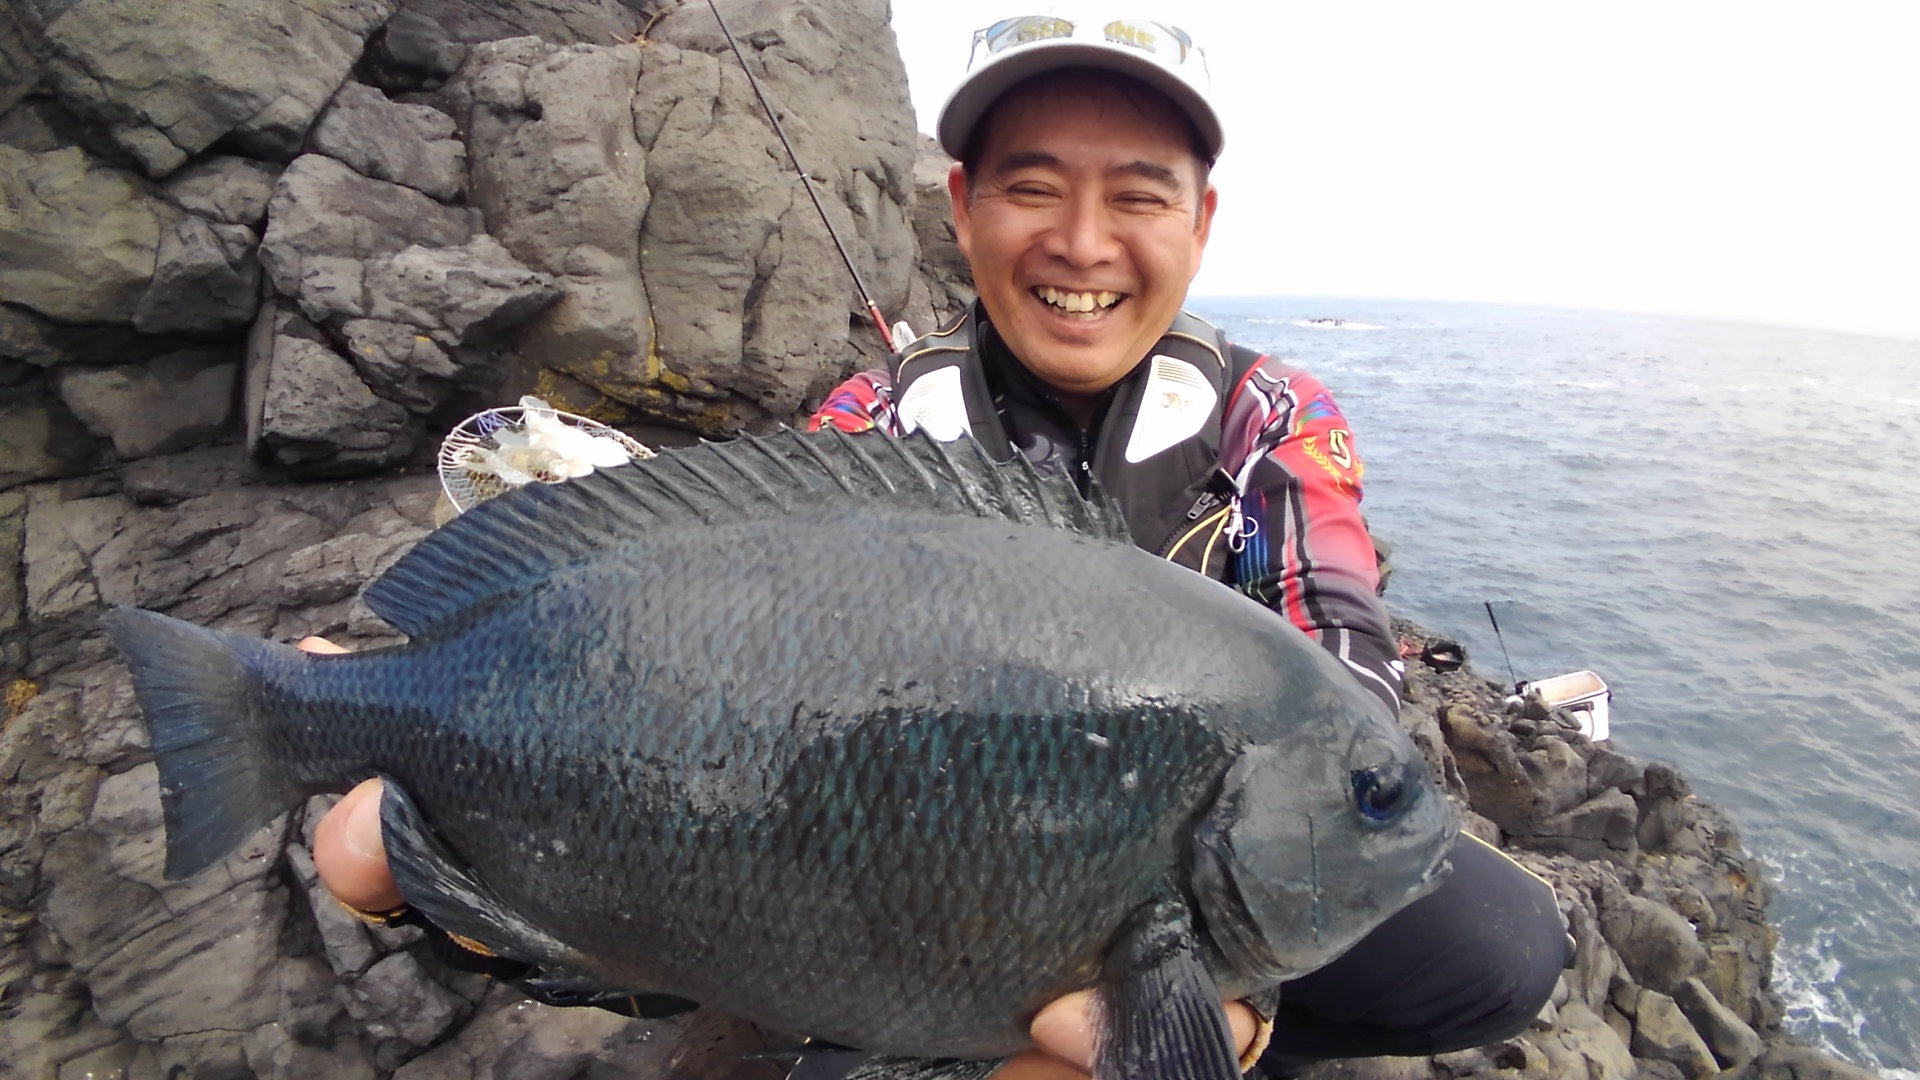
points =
(721, 751)
(892, 764)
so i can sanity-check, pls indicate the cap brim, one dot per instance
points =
(980, 89)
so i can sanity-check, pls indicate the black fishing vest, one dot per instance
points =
(1155, 440)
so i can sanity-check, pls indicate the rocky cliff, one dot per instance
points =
(256, 255)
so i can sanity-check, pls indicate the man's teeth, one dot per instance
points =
(1078, 302)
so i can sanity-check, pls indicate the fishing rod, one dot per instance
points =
(873, 309)
(1488, 604)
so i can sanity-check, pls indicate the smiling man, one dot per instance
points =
(1082, 201)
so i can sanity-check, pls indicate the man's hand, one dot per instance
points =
(352, 861)
(1063, 1037)
(348, 852)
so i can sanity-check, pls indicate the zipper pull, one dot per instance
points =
(1207, 501)
(1239, 527)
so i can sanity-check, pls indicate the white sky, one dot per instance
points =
(1750, 160)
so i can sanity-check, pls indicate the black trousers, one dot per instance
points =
(1469, 964)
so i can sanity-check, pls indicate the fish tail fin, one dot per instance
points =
(195, 688)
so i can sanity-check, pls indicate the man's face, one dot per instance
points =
(1084, 223)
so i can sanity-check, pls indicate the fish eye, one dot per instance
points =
(1381, 792)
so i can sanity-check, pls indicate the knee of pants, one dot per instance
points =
(1469, 964)
(1523, 952)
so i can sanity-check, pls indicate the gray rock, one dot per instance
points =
(28, 341)
(311, 1003)
(109, 1060)
(1369, 1068)
(203, 1055)
(1557, 774)
(349, 949)
(1733, 1043)
(1654, 1069)
(1594, 963)
(1603, 827)
(206, 279)
(1799, 1063)
(157, 972)
(947, 274)
(20, 71)
(512, 1037)
(401, 363)
(563, 22)
(169, 80)
(230, 190)
(274, 1053)
(562, 180)
(340, 566)
(727, 212)
(1661, 1033)
(41, 439)
(155, 408)
(308, 410)
(411, 52)
(1658, 947)
(169, 480)
(1582, 1045)
(1608, 768)
(1672, 824)
(58, 583)
(1489, 764)
(396, 1000)
(1738, 969)
(459, 296)
(77, 239)
(49, 1025)
(38, 125)
(325, 220)
(13, 596)
(412, 145)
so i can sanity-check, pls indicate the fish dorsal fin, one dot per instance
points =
(516, 540)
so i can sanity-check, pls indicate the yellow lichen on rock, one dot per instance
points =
(19, 693)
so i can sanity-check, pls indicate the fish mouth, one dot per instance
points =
(1082, 304)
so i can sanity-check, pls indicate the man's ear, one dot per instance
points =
(958, 193)
(1203, 228)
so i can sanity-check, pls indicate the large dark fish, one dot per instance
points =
(861, 738)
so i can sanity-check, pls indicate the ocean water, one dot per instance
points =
(1722, 520)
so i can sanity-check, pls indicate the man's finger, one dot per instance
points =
(1035, 1065)
(1063, 1032)
(319, 646)
(1064, 1029)
(350, 855)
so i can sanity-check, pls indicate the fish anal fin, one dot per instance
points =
(440, 887)
(1159, 1015)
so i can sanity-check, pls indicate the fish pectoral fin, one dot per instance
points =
(437, 885)
(903, 1068)
(1159, 1012)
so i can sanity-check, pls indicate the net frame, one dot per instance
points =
(466, 487)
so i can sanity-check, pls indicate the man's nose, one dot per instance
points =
(1083, 234)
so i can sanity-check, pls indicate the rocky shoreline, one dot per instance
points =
(256, 257)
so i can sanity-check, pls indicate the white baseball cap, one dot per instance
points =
(1156, 53)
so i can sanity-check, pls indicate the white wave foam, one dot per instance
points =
(1807, 979)
(1336, 324)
